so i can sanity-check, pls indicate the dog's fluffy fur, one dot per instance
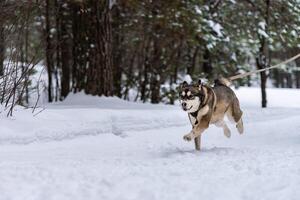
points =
(207, 105)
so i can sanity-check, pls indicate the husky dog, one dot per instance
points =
(207, 105)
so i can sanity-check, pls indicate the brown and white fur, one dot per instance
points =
(207, 105)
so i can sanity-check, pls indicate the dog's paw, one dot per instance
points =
(240, 126)
(227, 133)
(188, 137)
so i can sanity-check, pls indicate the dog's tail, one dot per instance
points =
(223, 81)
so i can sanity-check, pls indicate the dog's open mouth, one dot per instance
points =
(187, 109)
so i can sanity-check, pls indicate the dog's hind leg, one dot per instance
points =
(240, 126)
(226, 130)
(237, 115)
(198, 142)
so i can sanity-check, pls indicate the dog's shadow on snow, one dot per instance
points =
(204, 151)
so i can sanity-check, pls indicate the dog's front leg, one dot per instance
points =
(196, 137)
(198, 143)
(196, 133)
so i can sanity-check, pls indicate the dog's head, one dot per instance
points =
(190, 96)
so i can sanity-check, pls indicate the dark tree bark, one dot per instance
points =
(289, 80)
(263, 81)
(118, 48)
(79, 49)
(297, 74)
(100, 73)
(262, 60)
(2, 42)
(155, 89)
(207, 64)
(106, 50)
(57, 51)
(276, 77)
(66, 50)
(26, 54)
(49, 54)
(145, 71)
(156, 72)
(191, 69)
(2, 48)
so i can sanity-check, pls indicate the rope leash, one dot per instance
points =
(264, 69)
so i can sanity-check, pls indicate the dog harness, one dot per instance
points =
(204, 99)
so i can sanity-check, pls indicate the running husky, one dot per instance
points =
(207, 105)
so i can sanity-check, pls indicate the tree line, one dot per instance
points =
(141, 49)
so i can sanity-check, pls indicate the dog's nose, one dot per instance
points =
(183, 104)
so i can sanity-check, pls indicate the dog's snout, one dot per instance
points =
(183, 104)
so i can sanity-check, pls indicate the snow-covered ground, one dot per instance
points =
(106, 148)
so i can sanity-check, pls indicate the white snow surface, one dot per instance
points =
(106, 148)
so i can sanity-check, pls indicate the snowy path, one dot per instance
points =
(155, 163)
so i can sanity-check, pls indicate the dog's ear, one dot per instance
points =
(199, 82)
(183, 84)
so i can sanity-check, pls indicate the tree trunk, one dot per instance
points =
(77, 49)
(49, 58)
(191, 69)
(263, 79)
(58, 50)
(297, 74)
(174, 68)
(26, 52)
(106, 46)
(118, 49)
(289, 80)
(262, 60)
(2, 43)
(144, 83)
(276, 77)
(2, 49)
(156, 71)
(66, 51)
(100, 74)
(155, 88)
(261, 63)
(207, 64)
